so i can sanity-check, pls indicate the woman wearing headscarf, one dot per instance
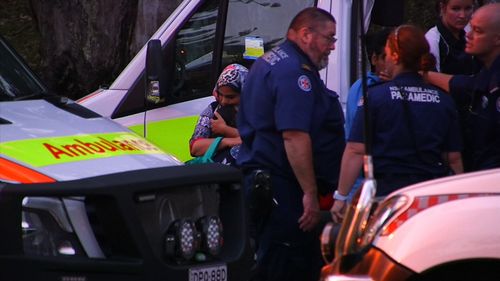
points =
(219, 118)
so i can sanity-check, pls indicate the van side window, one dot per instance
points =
(242, 40)
(187, 61)
(193, 52)
(188, 58)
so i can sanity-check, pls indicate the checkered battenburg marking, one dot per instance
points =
(423, 203)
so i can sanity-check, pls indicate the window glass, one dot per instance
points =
(269, 23)
(16, 81)
(188, 59)
(187, 63)
(194, 48)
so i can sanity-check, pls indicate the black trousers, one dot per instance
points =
(284, 252)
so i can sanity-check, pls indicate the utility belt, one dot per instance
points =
(260, 194)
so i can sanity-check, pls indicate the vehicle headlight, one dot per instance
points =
(46, 230)
(182, 239)
(353, 225)
(382, 215)
(211, 234)
(328, 238)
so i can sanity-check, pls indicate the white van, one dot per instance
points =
(198, 40)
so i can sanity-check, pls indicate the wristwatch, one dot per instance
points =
(338, 196)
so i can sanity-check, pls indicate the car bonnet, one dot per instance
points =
(64, 146)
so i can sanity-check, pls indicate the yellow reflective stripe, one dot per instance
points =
(49, 151)
(171, 135)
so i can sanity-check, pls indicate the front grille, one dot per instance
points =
(129, 215)
(109, 227)
(157, 210)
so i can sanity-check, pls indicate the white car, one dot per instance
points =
(445, 229)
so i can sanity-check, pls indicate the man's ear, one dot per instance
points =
(497, 39)
(305, 34)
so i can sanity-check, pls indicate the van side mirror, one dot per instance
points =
(155, 78)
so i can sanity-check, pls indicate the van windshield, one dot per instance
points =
(16, 79)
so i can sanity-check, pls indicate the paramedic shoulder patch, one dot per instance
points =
(304, 83)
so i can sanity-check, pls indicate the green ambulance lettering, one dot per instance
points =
(48, 151)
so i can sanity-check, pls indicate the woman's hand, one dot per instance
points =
(219, 126)
(337, 211)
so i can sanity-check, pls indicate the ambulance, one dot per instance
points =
(83, 198)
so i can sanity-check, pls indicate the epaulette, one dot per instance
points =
(306, 67)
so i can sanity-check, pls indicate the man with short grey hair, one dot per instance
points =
(291, 128)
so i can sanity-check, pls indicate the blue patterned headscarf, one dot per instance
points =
(234, 76)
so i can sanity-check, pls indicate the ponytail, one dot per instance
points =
(427, 62)
(410, 43)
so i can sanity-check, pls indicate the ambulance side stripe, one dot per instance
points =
(49, 151)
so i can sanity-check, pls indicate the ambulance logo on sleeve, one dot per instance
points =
(304, 83)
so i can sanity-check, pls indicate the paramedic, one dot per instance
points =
(415, 126)
(292, 126)
(483, 42)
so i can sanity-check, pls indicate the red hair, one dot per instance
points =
(409, 43)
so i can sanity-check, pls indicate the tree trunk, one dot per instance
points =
(151, 14)
(86, 43)
(82, 42)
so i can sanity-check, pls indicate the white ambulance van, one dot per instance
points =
(198, 40)
(84, 198)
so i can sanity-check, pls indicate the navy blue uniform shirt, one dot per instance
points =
(284, 91)
(409, 140)
(483, 125)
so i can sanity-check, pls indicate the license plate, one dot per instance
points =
(210, 273)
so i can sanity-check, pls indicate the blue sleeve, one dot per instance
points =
(352, 105)
(461, 85)
(356, 134)
(294, 93)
